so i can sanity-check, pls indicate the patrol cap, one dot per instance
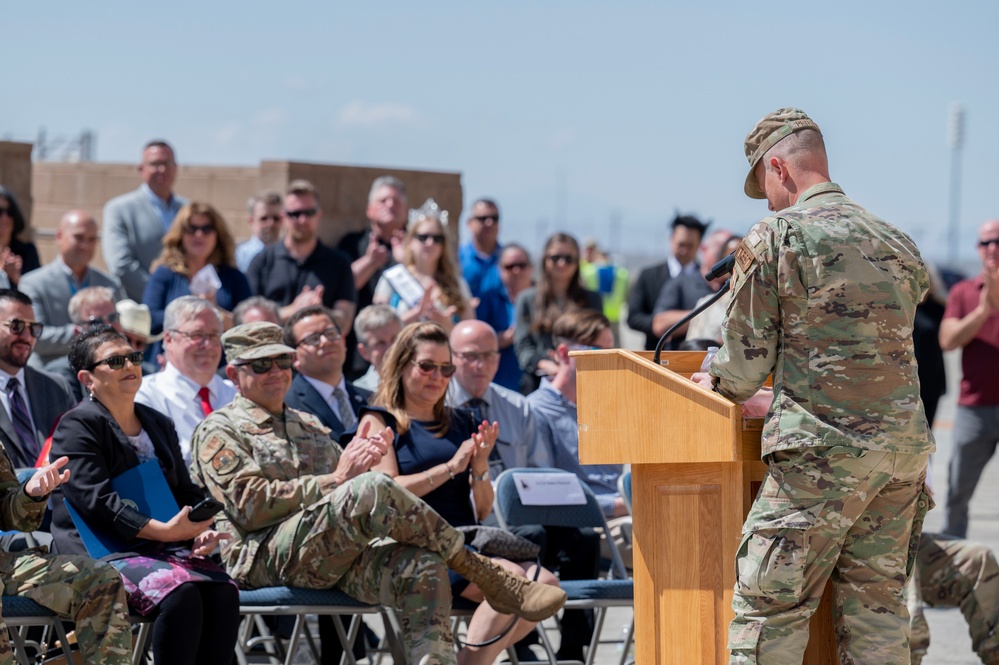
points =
(250, 341)
(766, 134)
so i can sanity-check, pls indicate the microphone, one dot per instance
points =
(723, 267)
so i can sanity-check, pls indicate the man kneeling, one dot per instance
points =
(304, 512)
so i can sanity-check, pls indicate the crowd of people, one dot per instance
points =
(330, 398)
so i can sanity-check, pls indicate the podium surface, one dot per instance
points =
(696, 469)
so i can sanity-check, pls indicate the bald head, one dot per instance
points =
(475, 353)
(76, 239)
(988, 244)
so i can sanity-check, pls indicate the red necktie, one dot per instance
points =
(206, 405)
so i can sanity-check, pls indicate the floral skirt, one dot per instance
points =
(150, 578)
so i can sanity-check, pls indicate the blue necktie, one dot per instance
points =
(21, 420)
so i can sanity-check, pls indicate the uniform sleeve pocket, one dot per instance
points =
(772, 556)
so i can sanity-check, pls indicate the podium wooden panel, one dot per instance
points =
(695, 471)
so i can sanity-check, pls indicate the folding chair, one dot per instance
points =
(624, 488)
(596, 594)
(299, 603)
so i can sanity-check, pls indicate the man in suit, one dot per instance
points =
(134, 223)
(687, 233)
(319, 386)
(51, 286)
(32, 401)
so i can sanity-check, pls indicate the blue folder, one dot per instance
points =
(145, 489)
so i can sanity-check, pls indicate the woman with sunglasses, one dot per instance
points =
(442, 456)
(198, 259)
(427, 285)
(193, 603)
(559, 290)
(16, 256)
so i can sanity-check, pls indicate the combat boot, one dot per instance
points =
(505, 592)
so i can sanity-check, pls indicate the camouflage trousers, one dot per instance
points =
(74, 587)
(845, 514)
(953, 572)
(380, 544)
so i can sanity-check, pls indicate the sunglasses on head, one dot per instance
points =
(428, 368)
(305, 212)
(17, 327)
(264, 365)
(117, 362)
(436, 238)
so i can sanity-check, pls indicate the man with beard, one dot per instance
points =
(32, 401)
(300, 270)
(188, 388)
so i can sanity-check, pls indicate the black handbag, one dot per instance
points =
(492, 541)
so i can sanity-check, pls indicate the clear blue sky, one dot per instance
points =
(568, 113)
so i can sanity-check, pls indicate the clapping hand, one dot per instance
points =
(364, 451)
(47, 478)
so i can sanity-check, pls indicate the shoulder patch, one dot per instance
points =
(208, 449)
(744, 256)
(225, 461)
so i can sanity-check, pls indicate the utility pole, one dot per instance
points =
(956, 144)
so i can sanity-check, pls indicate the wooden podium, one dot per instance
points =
(695, 471)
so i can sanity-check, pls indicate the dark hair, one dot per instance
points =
(15, 295)
(546, 307)
(311, 310)
(15, 211)
(159, 143)
(697, 344)
(486, 202)
(690, 222)
(390, 394)
(580, 326)
(85, 345)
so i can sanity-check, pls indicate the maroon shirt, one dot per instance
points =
(980, 356)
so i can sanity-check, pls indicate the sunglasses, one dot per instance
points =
(567, 259)
(332, 334)
(17, 327)
(428, 368)
(436, 238)
(264, 365)
(986, 243)
(519, 265)
(108, 319)
(118, 362)
(305, 212)
(487, 218)
(204, 229)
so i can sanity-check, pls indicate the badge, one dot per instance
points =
(208, 449)
(744, 257)
(225, 461)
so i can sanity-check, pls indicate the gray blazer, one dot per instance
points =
(49, 398)
(49, 290)
(132, 239)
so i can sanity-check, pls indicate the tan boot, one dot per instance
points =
(505, 592)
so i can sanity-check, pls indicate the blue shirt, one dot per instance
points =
(496, 309)
(245, 251)
(481, 272)
(168, 210)
(558, 428)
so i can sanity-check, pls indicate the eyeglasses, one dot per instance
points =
(205, 229)
(108, 319)
(269, 218)
(986, 243)
(428, 368)
(200, 337)
(494, 219)
(476, 357)
(264, 365)
(6, 211)
(305, 212)
(517, 265)
(567, 259)
(17, 327)
(436, 238)
(332, 334)
(118, 362)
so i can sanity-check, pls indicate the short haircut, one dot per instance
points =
(265, 196)
(15, 211)
(159, 143)
(691, 222)
(254, 302)
(793, 147)
(185, 308)
(305, 312)
(518, 247)
(374, 317)
(16, 296)
(302, 188)
(386, 181)
(487, 202)
(87, 297)
(85, 345)
(580, 326)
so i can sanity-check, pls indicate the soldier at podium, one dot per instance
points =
(823, 298)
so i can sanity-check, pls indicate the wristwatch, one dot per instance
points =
(483, 478)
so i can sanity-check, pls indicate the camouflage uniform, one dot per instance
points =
(824, 295)
(292, 525)
(88, 592)
(953, 572)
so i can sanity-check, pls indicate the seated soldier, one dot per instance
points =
(294, 522)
